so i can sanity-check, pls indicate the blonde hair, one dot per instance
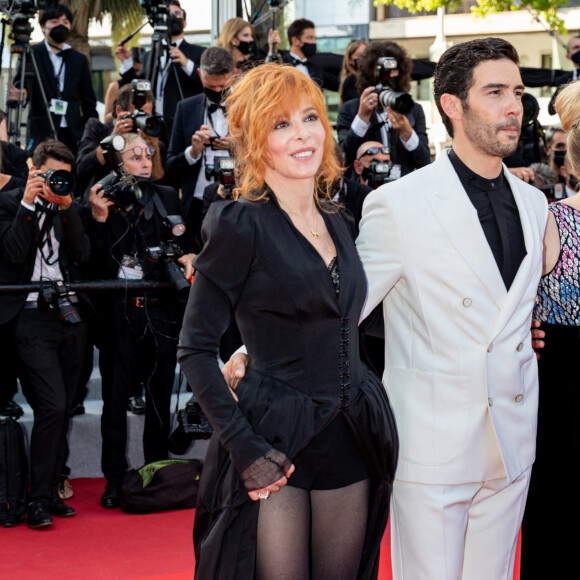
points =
(257, 102)
(230, 30)
(568, 108)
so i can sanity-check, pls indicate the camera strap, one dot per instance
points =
(42, 235)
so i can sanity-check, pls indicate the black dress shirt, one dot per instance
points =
(498, 215)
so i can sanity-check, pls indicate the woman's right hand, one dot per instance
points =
(273, 488)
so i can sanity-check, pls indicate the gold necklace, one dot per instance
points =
(313, 232)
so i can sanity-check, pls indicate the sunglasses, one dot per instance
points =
(138, 151)
(374, 151)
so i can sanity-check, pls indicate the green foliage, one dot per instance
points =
(546, 9)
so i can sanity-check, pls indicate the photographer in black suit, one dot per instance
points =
(177, 76)
(139, 328)
(42, 239)
(302, 39)
(66, 79)
(200, 135)
(364, 119)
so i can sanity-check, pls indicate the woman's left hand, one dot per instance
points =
(265, 492)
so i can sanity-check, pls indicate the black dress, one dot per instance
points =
(304, 370)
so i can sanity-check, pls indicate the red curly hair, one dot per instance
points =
(258, 100)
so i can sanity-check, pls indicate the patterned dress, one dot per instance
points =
(558, 299)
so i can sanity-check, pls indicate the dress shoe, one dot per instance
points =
(136, 405)
(11, 409)
(110, 499)
(60, 509)
(37, 515)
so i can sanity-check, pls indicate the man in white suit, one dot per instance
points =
(454, 253)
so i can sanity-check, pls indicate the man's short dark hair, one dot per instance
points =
(454, 71)
(123, 99)
(216, 61)
(52, 149)
(298, 27)
(366, 72)
(57, 12)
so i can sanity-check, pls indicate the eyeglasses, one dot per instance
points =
(374, 151)
(139, 151)
(177, 13)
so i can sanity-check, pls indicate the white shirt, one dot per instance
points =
(360, 129)
(59, 71)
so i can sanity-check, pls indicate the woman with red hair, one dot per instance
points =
(298, 474)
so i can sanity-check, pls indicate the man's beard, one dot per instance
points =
(484, 135)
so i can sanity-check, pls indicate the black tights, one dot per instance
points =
(316, 534)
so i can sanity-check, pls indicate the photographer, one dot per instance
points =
(41, 239)
(91, 165)
(138, 327)
(365, 119)
(200, 136)
(177, 77)
(66, 78)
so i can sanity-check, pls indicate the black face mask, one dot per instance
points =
(59, 33)
(175, 26)
(559, 157)
(214, 96)
(576, 57)
(573, 182)
(309, 49)
(355, 64)
(246, 47)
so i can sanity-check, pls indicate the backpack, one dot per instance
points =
(13, 473)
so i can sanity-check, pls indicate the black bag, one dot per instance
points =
(164, 485)
(13, 473)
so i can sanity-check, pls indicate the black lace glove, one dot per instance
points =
(266, 470)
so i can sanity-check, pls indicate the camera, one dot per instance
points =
(57, 296)
(123, 189)
(19, 12)
(222, 168)
(193, 424)
(553, 191)
(165, 255)
(60, 181)
(378, 173)
(151, 125)
(401, 103)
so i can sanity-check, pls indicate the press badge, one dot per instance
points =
(130, 269)
(58, 106)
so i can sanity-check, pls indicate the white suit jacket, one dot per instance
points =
(459, 366)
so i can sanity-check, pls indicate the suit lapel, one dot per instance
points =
(458, 218)
(44, 61)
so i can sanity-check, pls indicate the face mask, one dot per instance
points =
(559, 157)
(59, 33)
(573, 182)
(214, 96)
(175, 26)
(576, 57)
(246, 47)
(309, 49)
(355, 64)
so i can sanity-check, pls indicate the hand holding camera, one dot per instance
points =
(200, 140)
(368, 103)
(100, 203)
(55, 186)
(123, 124)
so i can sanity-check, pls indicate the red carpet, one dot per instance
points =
(110, 544)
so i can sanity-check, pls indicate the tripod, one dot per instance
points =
(27, 72)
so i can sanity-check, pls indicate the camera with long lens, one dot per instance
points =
(192, 424)
(162, 261)
(377, 173)
(151, 125)
(123, 189)
(401, 103)
(57, 296)
(60, 181)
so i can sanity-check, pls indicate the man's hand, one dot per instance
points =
(199, 140)
(524, 173)
(99, 203)
(188, 269)
(273, 38)
(537, 336)
(122, 52)
(222, 143)
(34, 186)
(14, 93)
(368, 103)
(177, 56)
(123, 124)
(235, 369)
(400, 123)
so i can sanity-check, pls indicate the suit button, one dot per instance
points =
(490, 401)
(490, 348)
(518, 398)
(520, 347)
(467, 302)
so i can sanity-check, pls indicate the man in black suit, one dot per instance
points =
(302, 40)
(66, 79)
(198, 119)
(41, 239)
(363, 119)
(177, 77)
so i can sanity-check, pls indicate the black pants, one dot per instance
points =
(51, 352)
(553, 503)
(139, 342)
(8, 363)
